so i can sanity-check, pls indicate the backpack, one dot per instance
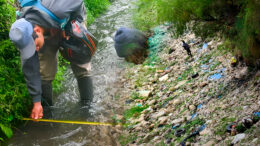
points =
(37, 3)
(81, 45)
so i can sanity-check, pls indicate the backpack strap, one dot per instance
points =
(38, 4)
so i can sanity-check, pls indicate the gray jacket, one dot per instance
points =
(73, 9)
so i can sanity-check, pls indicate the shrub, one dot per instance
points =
(238, 20)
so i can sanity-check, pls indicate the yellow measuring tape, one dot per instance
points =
(70, 122)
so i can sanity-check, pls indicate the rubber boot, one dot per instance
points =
(46, 93)
(86, 90)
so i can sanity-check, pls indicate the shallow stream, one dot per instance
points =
(105, 72)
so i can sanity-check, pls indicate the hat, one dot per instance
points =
(21, 35)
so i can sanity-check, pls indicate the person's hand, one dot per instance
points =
(63, 33)
(37, 111)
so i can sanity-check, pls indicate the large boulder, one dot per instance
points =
(131, 44)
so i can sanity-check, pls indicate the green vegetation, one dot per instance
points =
(221, 128)
(134, 111)
(14, 99)
(237, 20)
(124, 140)
(95, 8)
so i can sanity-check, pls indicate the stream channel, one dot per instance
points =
(105, 73)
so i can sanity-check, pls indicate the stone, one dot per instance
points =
(180, 84)
(203, 84)
(254, 140)
(206, 131)
(241, 73)
(163, 120)
(210, 143)
(238, 137)
(119, 127)
(176, 101)
(172, 89)
(164, 78)
(177, 121)
(159, 114)
(159, 71)
(151, 102)
(119, 117)
(144, 93)
(192, 107)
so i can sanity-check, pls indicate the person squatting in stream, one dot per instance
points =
(39, 33)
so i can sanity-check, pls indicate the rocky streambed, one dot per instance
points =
(172, 99)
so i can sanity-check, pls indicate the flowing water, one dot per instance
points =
(105, 72)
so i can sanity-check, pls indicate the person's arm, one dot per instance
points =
(31, 71)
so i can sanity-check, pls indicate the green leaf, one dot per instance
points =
(1, 139)
(7, 131)
(10, 118)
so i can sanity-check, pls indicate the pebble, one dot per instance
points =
(203, 84)
(238, 137)
(176, 101)
(210, 143)
(164, 78)
(254, 140)
(206, 131)
(163, 120)
(159, 114)
(192, 107)
(151, 102)
(144, 93)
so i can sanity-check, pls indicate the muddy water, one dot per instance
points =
(105, 68)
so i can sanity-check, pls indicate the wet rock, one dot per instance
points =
(238, 138)
(192, 107)
(164, 78)
(145, 93)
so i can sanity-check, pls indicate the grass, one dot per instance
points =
(126, 139)
(215, 65)
(134, 111)
(221, 128)
(135, 95)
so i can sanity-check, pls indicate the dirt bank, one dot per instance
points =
(169, 98)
